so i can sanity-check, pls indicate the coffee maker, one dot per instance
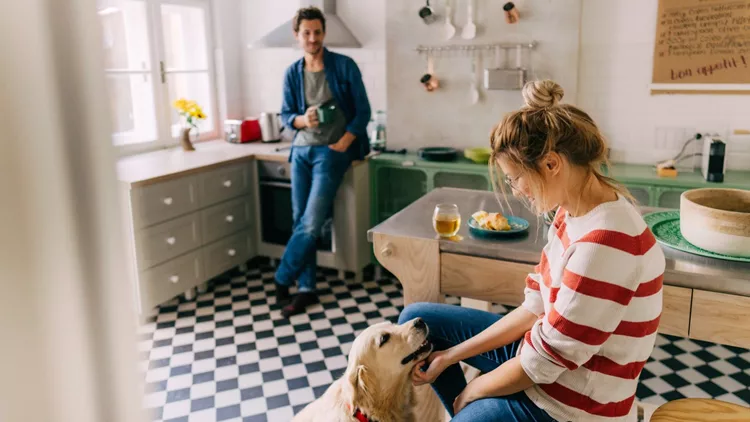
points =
(713, 161)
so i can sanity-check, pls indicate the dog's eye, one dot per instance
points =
(383, 339)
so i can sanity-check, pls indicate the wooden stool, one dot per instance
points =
(700, 410)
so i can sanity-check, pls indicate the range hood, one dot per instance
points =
(337, 34)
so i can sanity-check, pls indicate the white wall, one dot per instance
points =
(263, 69)
(228, 47)
(446, 117)
(617, 44)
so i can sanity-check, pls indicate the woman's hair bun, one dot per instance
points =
(542, 94)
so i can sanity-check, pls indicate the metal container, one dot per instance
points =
(507, 79)
(270, 128)
(232, 131)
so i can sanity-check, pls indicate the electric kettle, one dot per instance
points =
(270, 127)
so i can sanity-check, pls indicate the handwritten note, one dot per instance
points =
(702, 42)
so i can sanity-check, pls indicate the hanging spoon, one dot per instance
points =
(450, 30)
(470, 30)
(473, 90)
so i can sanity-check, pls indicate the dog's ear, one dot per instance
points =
(359, 382)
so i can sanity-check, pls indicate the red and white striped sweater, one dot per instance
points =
(598, 293)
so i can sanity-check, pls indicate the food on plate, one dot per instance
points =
(491, 220)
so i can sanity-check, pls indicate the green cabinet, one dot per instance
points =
(399, 179)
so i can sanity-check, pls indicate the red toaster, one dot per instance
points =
(242, 131)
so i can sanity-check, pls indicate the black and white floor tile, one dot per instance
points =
(229, 355)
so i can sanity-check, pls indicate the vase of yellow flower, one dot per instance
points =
(190, 113)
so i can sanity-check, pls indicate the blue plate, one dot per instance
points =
(517, 225)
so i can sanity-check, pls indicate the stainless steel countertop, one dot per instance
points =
(683, 269)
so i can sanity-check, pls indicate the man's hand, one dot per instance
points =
(343, 144)
(311, 117)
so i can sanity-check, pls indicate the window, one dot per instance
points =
(156, 51)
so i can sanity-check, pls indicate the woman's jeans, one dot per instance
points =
(450, 325)
(317, 172)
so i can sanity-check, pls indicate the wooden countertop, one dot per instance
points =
(157, 166)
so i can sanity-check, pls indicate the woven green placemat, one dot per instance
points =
(666, 228)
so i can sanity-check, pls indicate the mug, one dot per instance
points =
(325, 113)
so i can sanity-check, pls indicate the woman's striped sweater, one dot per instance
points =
(598, 294)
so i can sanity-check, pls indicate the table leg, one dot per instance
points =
(416, 264)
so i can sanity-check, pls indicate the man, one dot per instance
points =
(321, 152)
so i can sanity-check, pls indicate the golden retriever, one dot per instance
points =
(376, 385)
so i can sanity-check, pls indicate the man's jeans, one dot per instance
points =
(450, 325)
(317, 172)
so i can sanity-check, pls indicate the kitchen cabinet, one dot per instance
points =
(397, 180)
(189, 229)
(641, 193)
(668, 197)
(720, 318)
(675, 314)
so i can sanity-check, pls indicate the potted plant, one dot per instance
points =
(190, 113)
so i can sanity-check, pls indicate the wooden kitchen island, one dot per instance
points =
(704, 299)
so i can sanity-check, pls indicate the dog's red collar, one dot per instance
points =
(359, 415)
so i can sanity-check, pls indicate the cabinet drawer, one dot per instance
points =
(223, 183)
(720, 318)
(466, 276)
(165, 241)
(224, 219)
(226, 253)
(675, 313)
(162, 201)
(165, 281)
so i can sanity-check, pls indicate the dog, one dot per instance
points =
(376, 386)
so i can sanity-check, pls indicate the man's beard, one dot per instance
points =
(313, 49)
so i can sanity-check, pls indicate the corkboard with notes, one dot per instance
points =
(703, 42)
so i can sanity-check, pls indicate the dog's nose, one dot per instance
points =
(419, 324)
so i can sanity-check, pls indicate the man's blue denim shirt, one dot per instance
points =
(345, 81)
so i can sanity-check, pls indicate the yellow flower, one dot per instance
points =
(180, 104)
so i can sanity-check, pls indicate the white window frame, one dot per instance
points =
(159, 72)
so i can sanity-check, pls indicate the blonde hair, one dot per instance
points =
(542, 126)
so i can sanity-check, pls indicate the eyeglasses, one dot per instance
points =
(511, 181)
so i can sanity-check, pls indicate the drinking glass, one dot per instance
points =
(446, 220)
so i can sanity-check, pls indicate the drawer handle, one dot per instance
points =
(174, 279)
(171, 240)
(387, 250)
(231, 252)
(229, 218)
(168, 200)
(227, 183)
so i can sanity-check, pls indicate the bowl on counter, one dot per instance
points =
(479, 155)
(717, 220)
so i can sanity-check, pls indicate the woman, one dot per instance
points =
(574, 349)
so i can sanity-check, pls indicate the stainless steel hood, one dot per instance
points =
(337, 34)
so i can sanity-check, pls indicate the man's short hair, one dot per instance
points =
(309, 13)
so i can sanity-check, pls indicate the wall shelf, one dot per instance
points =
(475, 47)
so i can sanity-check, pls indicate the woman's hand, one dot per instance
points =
(437, 362)
(467, 396)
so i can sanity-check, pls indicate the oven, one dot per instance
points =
(275, 195)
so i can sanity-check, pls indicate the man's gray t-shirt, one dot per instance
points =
(317, 93)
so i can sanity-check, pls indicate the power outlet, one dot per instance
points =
(672, 138)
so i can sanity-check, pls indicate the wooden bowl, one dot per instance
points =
(717, 220)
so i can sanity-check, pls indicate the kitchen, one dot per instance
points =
(212, 345)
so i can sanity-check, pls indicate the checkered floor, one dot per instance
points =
(228, 355)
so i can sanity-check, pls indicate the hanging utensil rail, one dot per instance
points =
(474, 47)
